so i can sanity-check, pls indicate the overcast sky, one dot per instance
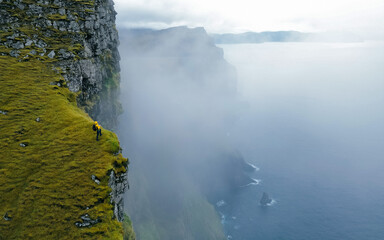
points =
(357, 16)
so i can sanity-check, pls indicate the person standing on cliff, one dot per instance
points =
(96, 127)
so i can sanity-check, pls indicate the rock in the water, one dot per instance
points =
(265, 199)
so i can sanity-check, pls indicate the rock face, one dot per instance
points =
(118, 184)
(79, 37)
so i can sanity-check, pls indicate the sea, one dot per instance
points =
(312, 121)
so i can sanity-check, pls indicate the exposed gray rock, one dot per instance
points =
(34, 10)
(95, 179)
(87, 221)
(118, 184)
(15, 53)
(23, 144)
(21, 6)
(18, 45)
(29, 42)
(64, 54)
(38, 119)
(33, 52)
(40, 43)
(93, 35)
(74, 26)
(62, 11)
(51, 54)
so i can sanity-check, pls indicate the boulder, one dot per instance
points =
(265, 199)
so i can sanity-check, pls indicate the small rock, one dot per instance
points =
(65, 54)
(14, 53)
(51, 54)
(38, 119)
(23, 145)
(6, 217)
(33, 52)
(40, 44)
(95, 179)
(3, 112)
(87, 221)
(21, 6)
(265, 199)
(62, 11)
(29, 42)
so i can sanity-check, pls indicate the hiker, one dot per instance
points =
(96, 127)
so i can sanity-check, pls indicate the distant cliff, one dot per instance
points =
(284, 36)
(183, 93)
(56, 180)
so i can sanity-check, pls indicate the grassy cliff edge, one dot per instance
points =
(53, 172)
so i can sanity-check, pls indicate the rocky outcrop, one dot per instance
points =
(79, 37)
(119, 184)
(265, 199)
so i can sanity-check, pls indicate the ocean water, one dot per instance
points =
(312, 119)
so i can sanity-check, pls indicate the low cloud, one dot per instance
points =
(360, 17)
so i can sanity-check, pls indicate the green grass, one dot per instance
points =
(46, 186)
(56, 17)
(129, 234)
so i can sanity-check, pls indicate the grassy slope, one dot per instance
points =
(46, 186)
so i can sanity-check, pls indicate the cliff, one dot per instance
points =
(284, 36)
(56, 180)
(79, 37)
(182, 92)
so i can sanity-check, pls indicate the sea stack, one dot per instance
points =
(265, 199)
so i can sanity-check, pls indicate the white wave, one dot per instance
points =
(253, 166)
(223, 218)
(272, 203)
(220, 203)
(254, 182)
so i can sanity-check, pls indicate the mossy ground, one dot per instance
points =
(129, 234)
(46, 186)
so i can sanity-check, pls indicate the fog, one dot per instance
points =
(308, 114)
(314, 125)
(360, 17)
(179, 100)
